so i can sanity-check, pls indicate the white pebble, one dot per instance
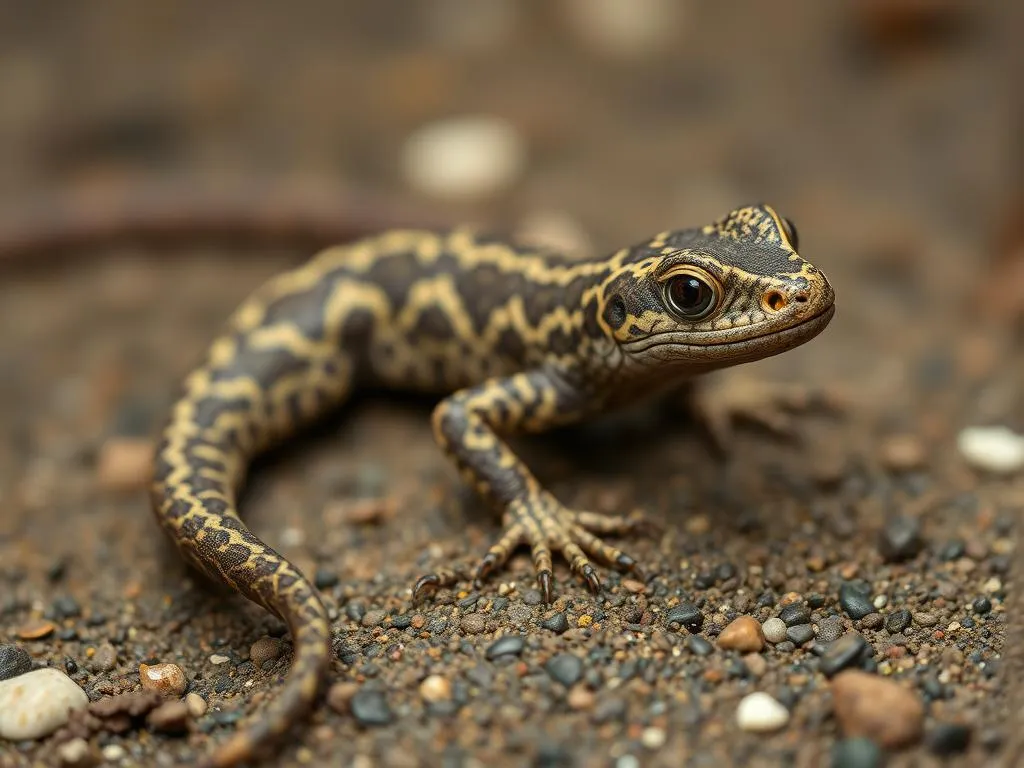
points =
(653, 738)
(760, 713)
(217, 658)
(774, 630)
(113, 752)
(992, 449)
(37, 703)
(625, 27)
(463, 157)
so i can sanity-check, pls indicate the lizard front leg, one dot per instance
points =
(469, 426)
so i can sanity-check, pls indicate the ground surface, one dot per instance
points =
(891, 153)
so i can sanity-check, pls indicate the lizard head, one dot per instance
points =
(731, 292)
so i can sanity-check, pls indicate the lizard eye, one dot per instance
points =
(690, 297)
(791, 233)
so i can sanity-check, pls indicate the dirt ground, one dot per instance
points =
(885, 130)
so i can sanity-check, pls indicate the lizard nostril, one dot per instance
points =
(801, 298)
(774, 300)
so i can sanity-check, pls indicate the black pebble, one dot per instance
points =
(952, 550)
(65, 607)
(704, 580)
(795, 613)
(557, 623)
(848, 651)
(686, 615)
(855, 603)
(325, 579)
(370, 707)
(949, 739)
(901, 538)
(897, 621)
(508, 645)
(566, 668)
(856, 753)
(800, 634)
(982, 605)
(401, 622)
(14, 661)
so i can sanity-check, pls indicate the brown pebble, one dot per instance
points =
(902, 453)
(124, 464)
(925, 619)
(419, 621)
(473, 623)
(196, 704)
(35, 629)
(340, 694)
(170, 717)
(743, 634)
(362, 511)
(265, 649)
(373, 618)
(580, 697)
(78, 753)
(436, 688)
(876, 708)
(165, 679)
(634, 586)
(756, 664)
(105, 658)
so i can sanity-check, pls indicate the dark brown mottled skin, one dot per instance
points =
(516, 340)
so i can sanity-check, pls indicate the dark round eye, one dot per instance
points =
(690, 297)
(791, 233)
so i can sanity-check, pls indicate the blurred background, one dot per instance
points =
(890, 131)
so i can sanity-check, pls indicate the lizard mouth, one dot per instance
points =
(739, 345)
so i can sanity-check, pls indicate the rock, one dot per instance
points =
(900, 538)
(996, 449)
(436, 688)
(339, 696)
(170, 717)
(760, 713)
(800, 634)
(124, 464)
(876, 708)
(78, 753)
(370, 707)
(557, 623)
(14, 661)
(856, 753)
(507, 645)
(949, 739)
(743, 635)
(476, 623)
(265, 649)
(36, 629)
(464, 157)
(37, 703)
(105, 658)
(848, 651)
(566, 668)
(855, 603)
(774, 630)
(196, 705)
(902, 453)
(687, 615)
(166, 679)
(625, 28)
(897, 621)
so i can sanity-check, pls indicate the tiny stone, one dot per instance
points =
(474, 623)
(507, 645)
(742, 634)
(557, 623)
(855, 603)
(845, 652)
(949, 739)
(265, 649)
(105, 658)
(800, 634)
(78, 753)
(436, 688)
(580, 697)
(124, 464)
(900, 538)
(37, 703)
(373, 618)
(992, 449)
(877, 708)
(897, 621)
(566, 668)
(653, 738)
(113, 753)
(324, 578)
(686, 615)
(65, 607)
(196, 705)
(756, 664)
(981, 605)
(795, 613)
(760, 713)
(339, 696)
(14, 661)
(700, 646)
(856, 753)
(370, 707)
(169, 717)
(36, 629)
(167, 679)
(774, 630)
(925, 619)
(872, 621)
(219, 658)
(902, 453)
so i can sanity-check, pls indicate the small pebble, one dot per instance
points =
(856, 753)
(14, 661)
(167, 679)
(507, 645)
(105, 658)
(900, 538)
(114, 753)
(756, 664)
(37, 703)
(925, 619)
(949, 739)
(78, 753)
(687, 615)
(196, 705)
(265, 649)
(436, 688)
(557, 623)
(774, 630)
(742, 634)
(566, 668)
(339, 696)
(830, 629)
(996, 449)
(464, 157)
(897, 621)
(760, 713)
(219, 658)
(848, 651)
(800, 634)
(902, 453)
(475, 623)
(36, 629)
(700, 646)
(653, 738)
(124, 464)
(877, 708)
(170, 717)
(855, 603)
(370, 707)
(795, 613)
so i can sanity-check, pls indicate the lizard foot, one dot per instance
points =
(546, 526)
(768, 404)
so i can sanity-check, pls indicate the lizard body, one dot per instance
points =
(515, 340)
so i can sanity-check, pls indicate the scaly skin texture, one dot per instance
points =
(517, 341)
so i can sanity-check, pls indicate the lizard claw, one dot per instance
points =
(544, 580)
(590, 576)
(425, 586)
